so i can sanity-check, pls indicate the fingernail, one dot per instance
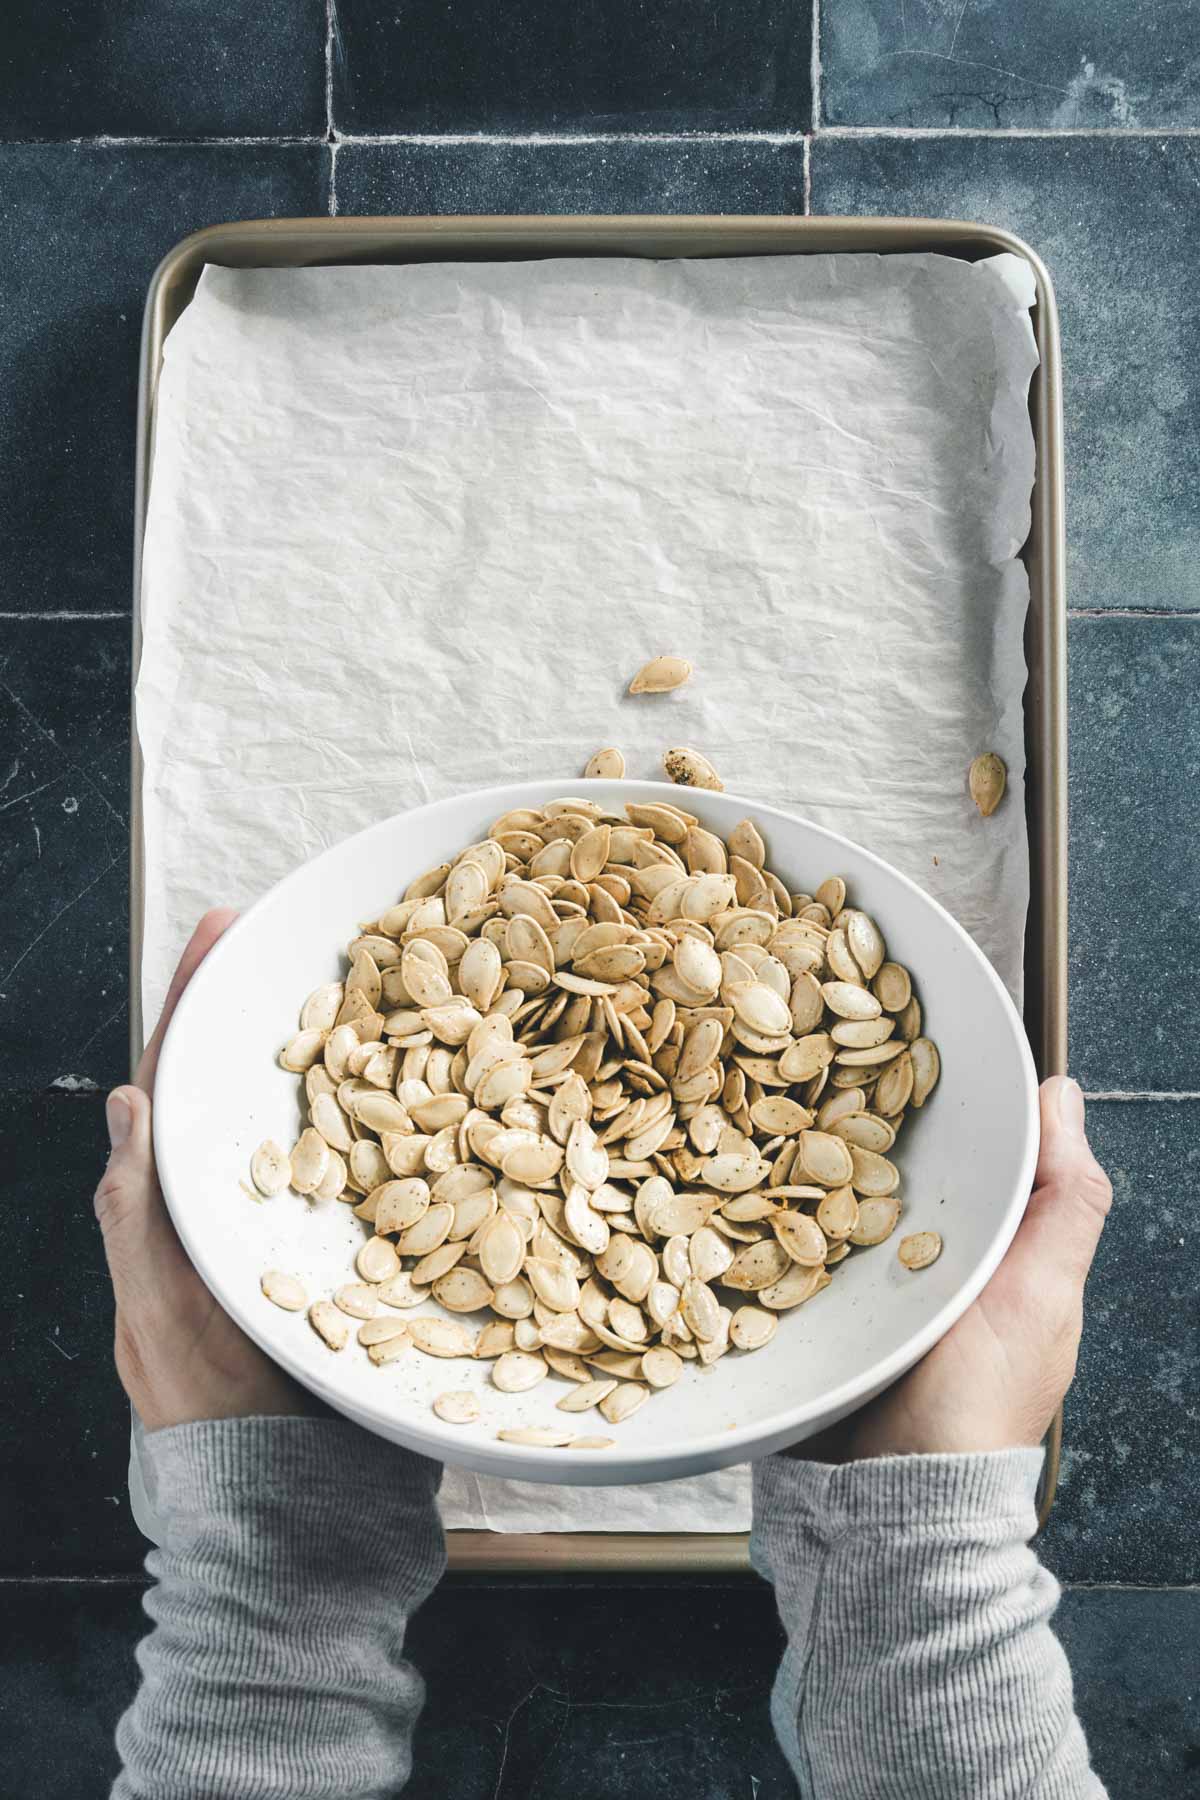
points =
(120, 1119)
(1070, 1104)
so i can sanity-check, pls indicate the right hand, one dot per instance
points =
(180, 1357)
(997, 1378)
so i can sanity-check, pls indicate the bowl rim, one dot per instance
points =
(633, 1465)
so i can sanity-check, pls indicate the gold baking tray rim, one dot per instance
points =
(303, 243)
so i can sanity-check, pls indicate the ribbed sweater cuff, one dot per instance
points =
(927, 1493)
(297, 1459)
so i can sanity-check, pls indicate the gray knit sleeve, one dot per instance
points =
(920, 1659)
(295, 1551)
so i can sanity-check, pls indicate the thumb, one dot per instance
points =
(133, 1221)
(1071, 1193)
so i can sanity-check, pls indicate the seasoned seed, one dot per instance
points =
(688, 768)
(926, 1067)
(607, 765)
(440, 1337)
(283, 1290)
(329, 1324)
(624, 1401)
(356, 1299)
(381, 1330)
(987, 779)
(458, 1407)
(270, 1168)
(586, 1395)
(518, 1370)
(377, 1260)
(920, 1249)
(751, 1328)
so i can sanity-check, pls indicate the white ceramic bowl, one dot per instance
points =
(966, 1159)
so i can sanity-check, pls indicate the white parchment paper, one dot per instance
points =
(411, 529)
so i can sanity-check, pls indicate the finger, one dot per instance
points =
(139, 1239)
(1072, 1195)
(212, 926)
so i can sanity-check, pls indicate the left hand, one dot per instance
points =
(179, 1356)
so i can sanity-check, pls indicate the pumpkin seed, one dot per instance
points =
(270, 1168)
(920, 1249)
(987, 779)
(380, 1330)
(660, 675)
(458, 1407)
(606, 765)
(440, 1337)
(688, 768)
(283, 1290)
(623, 1401)
(356, 1299)
(329, 1324)
(517, 1371)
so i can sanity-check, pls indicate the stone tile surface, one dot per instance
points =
(1106, 215)
(533, 65)
(81, 230)
(1128, 1493)
(64, 1433)
(1022, 64)
(1135, 877)
(567, 1710)
(635, 175)
(182, 71)
(64, 852)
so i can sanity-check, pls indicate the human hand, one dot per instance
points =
(179, 1356)
(997, 1378)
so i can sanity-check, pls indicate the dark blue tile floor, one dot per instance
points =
(651, 109)
(1074, 65)
(570, 1708)
(534, 65)
(635, 175)
(1107, 216)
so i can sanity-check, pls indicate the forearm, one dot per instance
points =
(920, 1658)
(295, 1551)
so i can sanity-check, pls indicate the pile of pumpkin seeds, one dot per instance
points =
(606, 1084)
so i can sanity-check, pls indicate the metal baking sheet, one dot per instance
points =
(303, 243)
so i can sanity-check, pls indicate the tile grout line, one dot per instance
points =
(56, 616)
(1132, 612)
(535, 139)
(330, 26)
(331, 136)
(1121, 1094)
(814, 67)
(1000, 131)
(807, 181)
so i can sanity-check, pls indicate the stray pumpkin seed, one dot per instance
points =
(987, 779)
(687, 768)
(660, 675)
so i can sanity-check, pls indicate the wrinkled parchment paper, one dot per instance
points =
(412, 529)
